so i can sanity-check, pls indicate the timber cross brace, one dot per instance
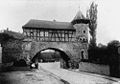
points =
(68, 37)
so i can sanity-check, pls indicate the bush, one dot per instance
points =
(104, 54)
(99, 55)
(20, 63)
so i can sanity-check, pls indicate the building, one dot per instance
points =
(41, 30)
(69, 37)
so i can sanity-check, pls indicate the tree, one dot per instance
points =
(113, 43)
(92, 15)
(114, 57)
(112, 46)
(113, 51)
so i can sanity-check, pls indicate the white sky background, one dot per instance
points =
(15, 13)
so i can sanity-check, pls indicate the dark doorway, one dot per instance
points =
(82, 54)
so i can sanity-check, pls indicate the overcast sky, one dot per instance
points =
(15, 13)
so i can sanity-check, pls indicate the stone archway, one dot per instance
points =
(71, 49)
(64, 58)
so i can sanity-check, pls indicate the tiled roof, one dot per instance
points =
(79, 18)
(48, 24)
(79, 15)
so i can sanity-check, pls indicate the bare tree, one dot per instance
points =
(92, 15)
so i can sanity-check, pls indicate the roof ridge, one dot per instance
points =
(49, 21)
(33, 23)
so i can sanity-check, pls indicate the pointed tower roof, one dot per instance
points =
(79, 18)
(79, 15)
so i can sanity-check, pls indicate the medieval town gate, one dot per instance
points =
(68, 37)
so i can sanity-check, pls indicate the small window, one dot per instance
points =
(28, 33)
(84, 31)
(46, 34)
(63, 34)
(84, 40)
(31, 33)
(41, 33)
(80, 39)
(70, 34)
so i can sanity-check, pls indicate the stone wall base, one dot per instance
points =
(94, 68)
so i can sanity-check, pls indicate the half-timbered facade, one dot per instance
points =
(49, 31)
(68, 37)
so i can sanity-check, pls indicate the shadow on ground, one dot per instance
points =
(14, 68)
(5, 70)
(9, 75)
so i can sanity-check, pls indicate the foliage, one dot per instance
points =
(105, 54)
(21, 63)
(12, 50)
(99, 55)
(5, 37)
(92, 15)
(11, 43)
(113, 44)
(113, 51)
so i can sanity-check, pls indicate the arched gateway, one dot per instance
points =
(62, 57)
(70, 37)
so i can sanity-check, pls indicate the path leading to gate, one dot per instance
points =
(23, 75)
(75, 77)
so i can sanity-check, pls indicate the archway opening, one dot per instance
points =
(52, 55)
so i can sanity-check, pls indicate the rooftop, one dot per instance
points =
(79, 16)
(43, 24)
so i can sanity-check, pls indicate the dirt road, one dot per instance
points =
(28, 77)
(77, 77)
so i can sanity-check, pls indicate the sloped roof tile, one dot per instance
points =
(48, 24)
(79, 15)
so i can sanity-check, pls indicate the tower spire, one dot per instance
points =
(79, 15)
(79, 7)
(80, 18)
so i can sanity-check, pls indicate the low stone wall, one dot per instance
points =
(94, 68)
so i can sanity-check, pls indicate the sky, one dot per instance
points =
(15, 13)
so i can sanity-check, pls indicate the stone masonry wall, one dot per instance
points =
(72, 49)
(12, 50)
(94, 68)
